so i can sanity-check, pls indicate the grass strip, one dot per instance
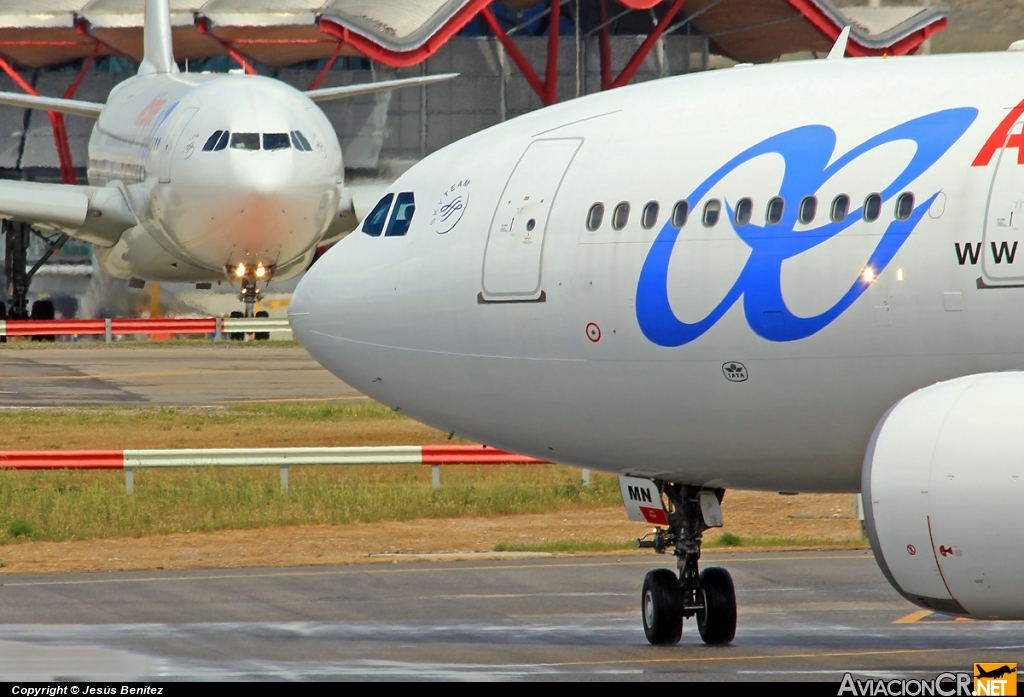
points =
(79, 505)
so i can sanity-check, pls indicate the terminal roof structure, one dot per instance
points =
(42, 33)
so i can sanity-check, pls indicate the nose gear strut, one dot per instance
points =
(709, 595)
(250, 295)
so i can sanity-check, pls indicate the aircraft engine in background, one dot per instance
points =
(943, 488)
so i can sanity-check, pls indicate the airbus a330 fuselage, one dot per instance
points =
(718, 280)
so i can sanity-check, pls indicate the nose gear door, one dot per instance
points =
(166, 152)
(512, 259)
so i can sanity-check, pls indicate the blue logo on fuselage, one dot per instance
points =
(807, 152)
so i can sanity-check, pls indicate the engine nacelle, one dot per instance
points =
(944, 496)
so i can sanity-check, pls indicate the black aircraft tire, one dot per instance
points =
(661, 608)
(717, 621)
(262, 336)
(237, 336)
(3, 316)
(44, 309)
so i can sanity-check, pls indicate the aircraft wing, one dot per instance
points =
(93, 214)
(64, 106)
(329, 93)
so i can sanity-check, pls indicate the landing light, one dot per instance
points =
(899, 274)
(869, 275)
(240, 271)
(261, 271)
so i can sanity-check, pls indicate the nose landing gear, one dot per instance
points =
(667, 599)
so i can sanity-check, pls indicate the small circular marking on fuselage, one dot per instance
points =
(911, 550)
(734, 371)
(593, 332)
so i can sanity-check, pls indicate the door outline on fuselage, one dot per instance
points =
(989, 264)
(515, 259)
(169, 143)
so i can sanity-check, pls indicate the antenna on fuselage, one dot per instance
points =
(158, 55)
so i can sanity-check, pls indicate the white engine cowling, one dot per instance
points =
(944, 496)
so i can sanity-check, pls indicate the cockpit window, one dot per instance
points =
(212, 142)
(300, 142)
(223, 142)
(245, 141)
(405, 206)
(276, 141)
(374, 223)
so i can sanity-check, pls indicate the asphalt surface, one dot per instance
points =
(803, 616)
(94, 374)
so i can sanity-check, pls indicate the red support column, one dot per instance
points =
(516, 55)
(203, 27)
(60, 133)
(606, 50)
(641, 53)
(330, 63)
(551, 78)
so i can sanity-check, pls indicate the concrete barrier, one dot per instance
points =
(215, 326)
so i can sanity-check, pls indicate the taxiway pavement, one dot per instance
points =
(169, 376)
(803, 616)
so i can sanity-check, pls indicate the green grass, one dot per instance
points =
(568, 546)
(737, 542)
(78, 505)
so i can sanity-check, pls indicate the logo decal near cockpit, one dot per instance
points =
(809, 155)
(450, 207)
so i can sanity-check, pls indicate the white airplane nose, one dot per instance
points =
(342, 309)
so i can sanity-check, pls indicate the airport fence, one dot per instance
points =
(433, 456)
(216, 327)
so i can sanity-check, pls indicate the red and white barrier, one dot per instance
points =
(129, 460)
(261, 457)
(215, 326)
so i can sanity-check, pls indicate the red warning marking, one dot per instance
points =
(654, 515)
(911, 550)
(945, 551)
(593, 332)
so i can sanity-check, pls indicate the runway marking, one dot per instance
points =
(764, 657)
(913, 617)
(486, 596)
(354, 571)
(160, 374)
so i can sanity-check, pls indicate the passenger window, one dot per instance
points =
(712, 210)
(649, 218)
(904, 206)
(276, 141)
(680, 213)
(776, 207)
(212, 142)
(223, 142)
(374, 223)
(620, 216)
(595, 216)
(840, 208)
(245, 141)
(401, 218)
(808, 209)
(744, 211)
(305, 143)
(872, 208)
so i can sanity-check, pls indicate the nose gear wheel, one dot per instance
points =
(667, 599)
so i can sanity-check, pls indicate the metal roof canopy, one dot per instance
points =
(41, 33)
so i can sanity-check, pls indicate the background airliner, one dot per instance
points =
(748, 278)
(193, 177)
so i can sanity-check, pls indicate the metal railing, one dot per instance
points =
(129, 460)
(108, 328)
